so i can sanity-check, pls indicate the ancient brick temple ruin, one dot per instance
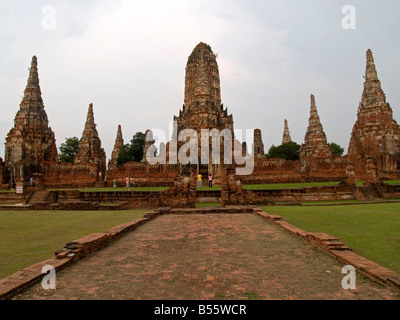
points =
(30, 145)
(376, 135)
(286, 133)
(119, 143)
(90, 151)
(31, 142)
(203, 108)
(315, 153)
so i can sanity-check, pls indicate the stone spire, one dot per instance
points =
(315, 148)
(31, 140)
(119, 143)
(32, 94)
(202, 108)
(370, 72)
(90, 150)
(375, 134)
(286, 134)
(202, 83)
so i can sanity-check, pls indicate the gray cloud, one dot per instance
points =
(129, 58)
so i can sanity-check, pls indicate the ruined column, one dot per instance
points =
(258, 147)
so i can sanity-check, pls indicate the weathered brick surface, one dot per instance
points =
(212, 256)
(337, 248)
(73, 252)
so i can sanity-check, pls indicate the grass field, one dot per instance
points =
(125, 189)
(287, 185)
(29, 237)
(207, 205)
(207, 188)
(373, 230)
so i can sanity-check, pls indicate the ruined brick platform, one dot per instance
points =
(210, 256)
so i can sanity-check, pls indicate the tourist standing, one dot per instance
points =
(127, 182)
(132, 181)
(31, 182)
(13, 184)
(200, 180)
(210, 180)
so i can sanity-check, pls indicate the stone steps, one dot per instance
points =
(38, 197)
(211, 210)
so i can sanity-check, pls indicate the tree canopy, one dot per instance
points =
(337, 150)
(133, 151)
(287, 151)
(68, 150)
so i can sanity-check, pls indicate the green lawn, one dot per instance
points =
(28, 237)
(327, 202)
(116, 189)
(287, 185)
(208, 205)
(207, 188)
(125, 189)
(393, 182)
(373, 230)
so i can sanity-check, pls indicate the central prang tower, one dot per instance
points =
(203, 108)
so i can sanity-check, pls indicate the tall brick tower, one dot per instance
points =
(31, 141)
(203, 108)
(90, 150)
(315, 153)
(375, 134)
(119, 144)
(286, 133)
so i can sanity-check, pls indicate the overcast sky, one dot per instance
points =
(128, 58)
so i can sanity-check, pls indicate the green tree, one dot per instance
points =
(287, 151)
(68, 150)
(337, 150)
(132, 151)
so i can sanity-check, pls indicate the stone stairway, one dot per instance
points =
(370, 192)
(210, 210)
(38, 197)
(99, 184)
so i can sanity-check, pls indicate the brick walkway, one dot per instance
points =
(239, 256)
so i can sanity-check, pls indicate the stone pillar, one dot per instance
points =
(258, 147)
(224, 185)
(2, 178)
(371, 170)
(350, 172)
